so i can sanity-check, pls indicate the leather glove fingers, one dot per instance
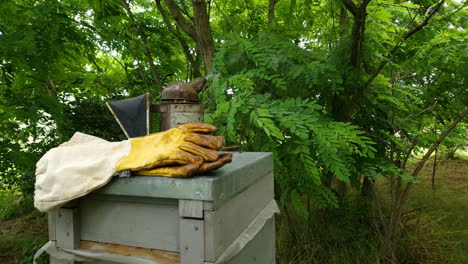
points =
(182, 158)
(198, 128)
(206, 154)
(173, 171)
(188, 169)
(207, 166)
(212, 142)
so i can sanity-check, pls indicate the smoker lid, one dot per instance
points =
(183, 92)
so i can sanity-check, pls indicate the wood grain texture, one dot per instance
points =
(158, 256)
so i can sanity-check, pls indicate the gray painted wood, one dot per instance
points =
(58, 261)
(67, 228)
(131, 199)
(191, 239)
(191, 208)
(147, 225)
(217, 186)
(162, 213)
(226, 223)
(51, 221)
(260, 250)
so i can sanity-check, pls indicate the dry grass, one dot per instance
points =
(435, 233)
(440, 230)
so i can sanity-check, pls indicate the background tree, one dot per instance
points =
(345, 92)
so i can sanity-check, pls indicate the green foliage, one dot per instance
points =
(287, 86)
(256, 110)
(335, 235)
(29, 248)
(9, 206)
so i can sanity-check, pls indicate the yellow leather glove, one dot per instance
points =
(188, 169)
(183, 145)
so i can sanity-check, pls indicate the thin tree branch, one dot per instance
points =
(430, 12)
(421, 112)
(226, 18)
(408, 153)
(351, 6)
(185, 25)
(52, 91)
(414, 210)
(144, 40)
(183, 43)
(431, 150)
(438, 141)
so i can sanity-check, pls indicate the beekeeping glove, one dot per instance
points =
(184, 145)
(188, 169)
(86, 163)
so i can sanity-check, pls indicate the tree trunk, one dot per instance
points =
(185, 47)
(199, 31)
(367, 188)
(271, 10)
(203, 30)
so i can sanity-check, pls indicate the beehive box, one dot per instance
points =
(175, 220)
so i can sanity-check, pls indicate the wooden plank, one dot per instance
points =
(234, 177)
(52, 221)
(191, 208)
(131, 199)
(147, 225)
(192, 245)
(158, 256)
(226, 187)
(68, 228)
(260, 250)
(226, 223)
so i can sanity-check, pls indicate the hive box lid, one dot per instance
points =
(216, 186)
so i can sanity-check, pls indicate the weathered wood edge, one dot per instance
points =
(215, 186)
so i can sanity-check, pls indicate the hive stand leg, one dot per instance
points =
(52, 225)
(192, 243)
(52, 222)
(67, 231)
(192, 246)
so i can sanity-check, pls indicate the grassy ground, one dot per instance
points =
(436, 226)
(437, 232)
(22, 232)
(444, 212)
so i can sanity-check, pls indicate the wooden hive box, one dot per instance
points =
(175, 220)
